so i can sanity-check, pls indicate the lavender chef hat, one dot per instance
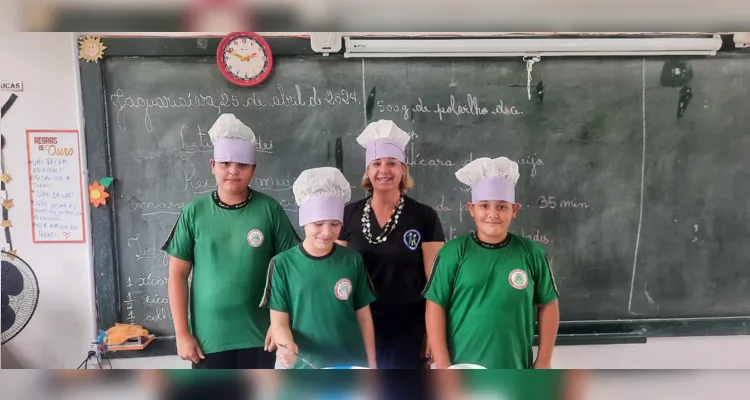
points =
(490, 179)
(233, 141)
(321, 194)
(383, 139)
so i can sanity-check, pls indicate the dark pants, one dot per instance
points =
(254, 358)
(405, 385)
(399, 336)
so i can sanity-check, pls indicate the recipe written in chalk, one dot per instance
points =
(56, 188)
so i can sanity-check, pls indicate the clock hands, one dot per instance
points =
(244, 58)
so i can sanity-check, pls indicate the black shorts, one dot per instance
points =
(253, 358)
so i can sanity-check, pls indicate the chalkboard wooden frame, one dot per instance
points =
(103, 219)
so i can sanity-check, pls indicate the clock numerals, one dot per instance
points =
(245, 59)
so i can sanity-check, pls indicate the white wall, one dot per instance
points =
(59, 333)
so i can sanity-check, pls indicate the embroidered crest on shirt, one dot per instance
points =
(518, 279)
(411, 239)
(255, 238)
(343, 289)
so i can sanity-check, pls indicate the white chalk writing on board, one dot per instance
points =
(56, 187)
(300, 97)
(450, 107)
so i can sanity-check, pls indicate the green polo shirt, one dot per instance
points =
(230, 248)
(322, 296)
(489, 293)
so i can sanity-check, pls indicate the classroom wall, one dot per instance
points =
(63, 325)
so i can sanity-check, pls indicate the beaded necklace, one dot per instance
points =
(390, 225)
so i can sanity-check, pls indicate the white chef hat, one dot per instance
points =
(383, 139)
(233, 141)
(490, 179)
(321, 194)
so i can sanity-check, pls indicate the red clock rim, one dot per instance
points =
(223, 67)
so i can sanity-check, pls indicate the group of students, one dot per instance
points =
(372, 284)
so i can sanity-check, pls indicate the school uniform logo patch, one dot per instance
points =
(255, 238)
(343, 289)
(518, 279)
(411, 239)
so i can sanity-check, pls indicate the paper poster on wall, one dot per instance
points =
(56, 186)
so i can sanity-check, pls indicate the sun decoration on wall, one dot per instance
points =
(92, 49)
(97, 195)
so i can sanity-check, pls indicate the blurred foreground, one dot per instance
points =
(367, 16)
(391, 385)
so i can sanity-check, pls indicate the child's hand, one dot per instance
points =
(285, 354)
(270, 345)
(189, 349)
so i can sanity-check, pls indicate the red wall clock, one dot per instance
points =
(244, 58)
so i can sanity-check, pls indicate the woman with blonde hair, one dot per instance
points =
(398, 238)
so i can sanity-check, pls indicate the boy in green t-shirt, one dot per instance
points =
(486, 287)
(226, 238)
(318, 292)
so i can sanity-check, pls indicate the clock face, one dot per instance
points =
(245, 60)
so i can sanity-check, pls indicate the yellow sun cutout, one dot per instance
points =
(91, 49)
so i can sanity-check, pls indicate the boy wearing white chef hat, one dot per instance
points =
(487, 311)
(226, 238)
(319, 292)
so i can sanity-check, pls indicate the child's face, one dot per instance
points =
(493, 217)
(232, 177)
(322, 234)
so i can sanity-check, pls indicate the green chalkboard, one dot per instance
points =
(633, 170)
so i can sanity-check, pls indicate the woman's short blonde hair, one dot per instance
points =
(407, 182)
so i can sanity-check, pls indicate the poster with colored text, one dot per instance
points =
(56, 188)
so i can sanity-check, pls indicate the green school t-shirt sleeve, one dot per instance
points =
(544, 281)
(275, 295)
(284, 236)
(439, 287)
(181, 240)
(364, 294)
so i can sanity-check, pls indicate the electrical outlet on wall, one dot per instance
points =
(94, 346)
(94, 352)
